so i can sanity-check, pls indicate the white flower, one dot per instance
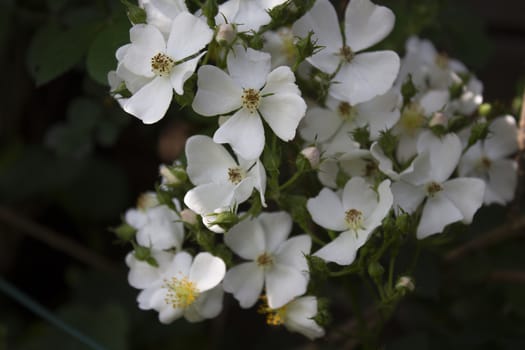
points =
(250, 90)
(179, 286)
(167, 65)
(296, 316)
(276, 263)
(356, 212)
(158, 227)
(281, 45)
(161, 13)
(220, 181)
(488, 160)
(359, 76)
(246, 14)
(446, 201)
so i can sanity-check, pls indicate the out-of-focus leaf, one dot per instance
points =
(56, 5)
(101, 55)
(415, 341)
(3, 337)
(53, 51)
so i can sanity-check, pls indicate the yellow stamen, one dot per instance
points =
(181, 292)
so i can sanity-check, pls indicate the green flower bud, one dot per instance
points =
(125, 232)
(375, 269)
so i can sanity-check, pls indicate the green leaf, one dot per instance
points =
(54, 51)
(101, 55)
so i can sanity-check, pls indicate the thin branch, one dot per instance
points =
(515, 228)
(511, 276)
(55, 240)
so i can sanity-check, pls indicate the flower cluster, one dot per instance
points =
(320, 145)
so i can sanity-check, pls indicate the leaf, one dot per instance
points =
(54, 51)
(101, 55)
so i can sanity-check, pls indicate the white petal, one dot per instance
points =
(386, 199)
(341, 250)
(247, 239)
(327, 210)
(189, 34)
(209, 304)
(180, 265)
(217, 93)
(438, 212)
(357, 194)
(249, 68)
(151, 102)
(147, 41)
(503, 179)
(168, 314)
(380, 113)
(433, 101)
(141, 274)
(284, 283)
(283, 112)
(259, 175)
(327, 173)
(444, 153)
(292, 252)
(162, 230)
(408, 197)
(245, 281)
(322, 20)
(366, 24)
(319, 124)
(281, 80)
(207, 161)
(136, 218)
(276, 226)
(244, 132)
(182, 72)
(368, 74)
(466, 194)
(205, 199)
(503, 138)
(207, 271)
(248, 15)
(299, 317)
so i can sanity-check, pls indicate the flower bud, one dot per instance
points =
(375, 269)
(313, 155)
(405, 284)
(172, 175)
(438, 119)
(125, 232)
(147, 200)
(188, 216)
(225, 34)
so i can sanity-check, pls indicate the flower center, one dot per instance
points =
(251, 99)
(265, 260)
(346, 54)
(433, 188)
(346, 111)
(441, 60)
(354, 219)
(162, 64)
(274, 317)
(412, 118)
(235, 175)
(485, 162)
(370, 168)
(181, 292)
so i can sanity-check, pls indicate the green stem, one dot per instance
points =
(291, 180)
(39, 310)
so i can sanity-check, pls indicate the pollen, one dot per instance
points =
(181, 292)
(412, 118)
(265, 260)
(346, 111)
(433, 188)
(485, 162)
(235, 175)
(251, 99)
(162, 64)
(354, 219)
(346, 53)
(274, 317)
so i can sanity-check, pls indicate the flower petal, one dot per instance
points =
(247, 239)
(502, 140)
(341, 250)
(146, 42)
(300, 315)
(276, 227)
(207, 161)
(182, 72)
(366, 24)
(358, 195)
(444, 153)
(319, 124)
(189, 34)
(368, 74)
(209, 304)
(438, 212)
(244, 132)
(327, 210)
(248, 68)
(407, 196)
(283, 113)
(467, 195)
(217, 92)
(283, 284)
(503, 179)
(207, 271)
(152, 101)
(292, 252)
(245, 281)
(205, 199)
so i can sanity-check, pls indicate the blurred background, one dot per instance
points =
(72, 162)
